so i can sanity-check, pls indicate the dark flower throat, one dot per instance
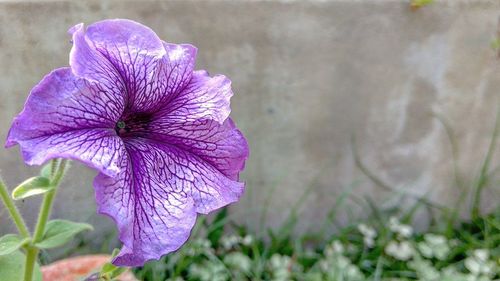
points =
(133, 125)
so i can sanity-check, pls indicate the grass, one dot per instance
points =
(213, 254)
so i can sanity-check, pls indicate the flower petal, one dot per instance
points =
(196, 120)
(131, 49)
(155, 200)
(204, 97)
(66, 116)
(223, 146)
(90, 64)
(172, 74)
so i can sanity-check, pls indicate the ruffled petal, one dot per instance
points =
(66, 116)
(204, 97)
(155, 200)
(196, 120)
(88, 63)
(130, 50)
(172, 74)
(221, 145)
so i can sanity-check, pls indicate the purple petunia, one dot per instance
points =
(132, 106)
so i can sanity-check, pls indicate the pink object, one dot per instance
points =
(76, 268)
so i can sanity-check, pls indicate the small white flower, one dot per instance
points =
(239, 261)
(425, 249)
(405, 230)
(337, 266)
(402, 230)
(391, 248)
(435, 239)
(338, 247)
(393, 223)
(279, 262)
(400, 250)
(482, 254)
(369, 235)
(434, 246)
(353, 273)
(247, 240)
(473, 266)
(479, 264)
(334, 248)
(324, 265)
(424, 269)
(367, 231)
(228, 242)
(369, 242)
(279, 267)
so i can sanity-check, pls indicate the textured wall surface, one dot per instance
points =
(307, 76)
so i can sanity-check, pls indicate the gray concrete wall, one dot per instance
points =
(307, 76)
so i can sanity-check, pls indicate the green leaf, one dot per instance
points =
(421, 3)
(115, 252)
(11, 242)
(32, 186)
(46, 171)
(12, 267)
(60, 232)
(110, 271)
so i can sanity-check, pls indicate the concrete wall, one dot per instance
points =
(307, 76)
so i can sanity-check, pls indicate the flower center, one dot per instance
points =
(133, 125)
(120, 125)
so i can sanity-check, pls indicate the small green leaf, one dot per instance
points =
(421, 3)
(32, 186)
(11, 242)
(117, 272)
(107, 268)
(60, 232)
(110, 271)
(12, 267)
(46, 171)
(115, 252)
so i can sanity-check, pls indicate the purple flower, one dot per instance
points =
(159, 132)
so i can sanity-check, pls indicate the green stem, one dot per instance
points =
(13, 211)
(53, 167)
(31, 255)
(47, 202)
(483, 175)
(43, 216)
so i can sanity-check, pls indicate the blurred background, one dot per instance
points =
(348, 106)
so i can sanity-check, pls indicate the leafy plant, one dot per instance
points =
(25, 247)
(396, 253)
